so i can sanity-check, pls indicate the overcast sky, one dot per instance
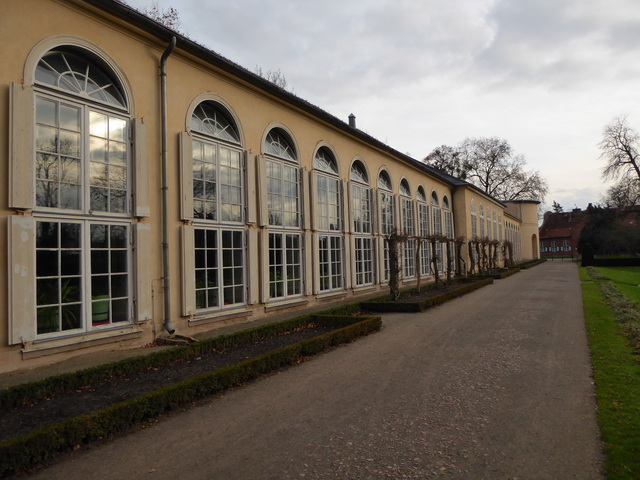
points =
(546, 75)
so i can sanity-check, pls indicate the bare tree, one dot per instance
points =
(619, 147)
(449, 160)
(624, 193)
(169, 17)
(491, 165)
(557, 208)
(274, 76)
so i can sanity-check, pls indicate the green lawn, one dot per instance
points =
(616, 374)
(627, 279)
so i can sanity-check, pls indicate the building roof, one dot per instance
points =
(130, 14)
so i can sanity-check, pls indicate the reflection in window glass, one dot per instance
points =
(219, 268)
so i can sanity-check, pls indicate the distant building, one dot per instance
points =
(560, 232)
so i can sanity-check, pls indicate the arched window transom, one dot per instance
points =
(325, 161)
(210, 120)
(82, 76)
(276, 143)
(358, 173)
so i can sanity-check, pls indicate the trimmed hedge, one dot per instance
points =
(530, 263)
(20, 394)
(385, 304)
(498, 275)
(616, 262)
(41, 445)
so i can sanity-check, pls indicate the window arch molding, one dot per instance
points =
(210, 97)
(358, 162)
(282, 129)
(435, 199)
(405, 188)
(59, 41)
(325, 146)
(383, 172)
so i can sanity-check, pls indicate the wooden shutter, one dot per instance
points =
(352, 247)
(263, 271)
(21, 147)
(373, 211)
(315, 248)
(253, 265)
(251, 196)
(22, 279)
(141, 207)
(344, 207)
(313, 176)
(308, 263)
(305, 199)
(263, 197)
(144, 274)
(186, 176)
(188, 270)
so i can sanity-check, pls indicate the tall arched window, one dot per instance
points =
(408, 228)
(495, 226)
(482, 232)
(285, 237)
(218, 208)
(362, 223)
(448, 218)
(437, 226)
(329, 220)
(386, 200)
(82, 167)
(423, 230)
(474, 220)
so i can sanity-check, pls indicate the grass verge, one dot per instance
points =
(616, 372)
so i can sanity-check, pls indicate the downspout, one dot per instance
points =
(165, 189)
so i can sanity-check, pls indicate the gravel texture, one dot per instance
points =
(494, 385)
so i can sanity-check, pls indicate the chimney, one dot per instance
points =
(352, 120)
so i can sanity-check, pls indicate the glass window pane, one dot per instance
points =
(46, 139)
(100, 313)
(47, 320)
(47, 235)
(119, 285)
(99, 125)
(99, 287)
(46, 111)
(69, 117)
(117, 129)
(70, 262)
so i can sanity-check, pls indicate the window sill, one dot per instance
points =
(331, 295)
(283, 304)
(216, 317)
(52, 346)
(365, 289)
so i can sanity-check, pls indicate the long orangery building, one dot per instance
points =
(149, 185)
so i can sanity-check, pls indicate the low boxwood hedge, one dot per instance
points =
(385, 304)
(530, 263)
(41, 445)
(500, 274)
(20, 394)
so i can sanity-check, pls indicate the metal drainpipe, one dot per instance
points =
(165, 189)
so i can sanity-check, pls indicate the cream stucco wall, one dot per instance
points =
(29, 28)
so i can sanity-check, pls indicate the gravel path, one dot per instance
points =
(494, 385)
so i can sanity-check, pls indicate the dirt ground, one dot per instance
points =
(494, 385)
